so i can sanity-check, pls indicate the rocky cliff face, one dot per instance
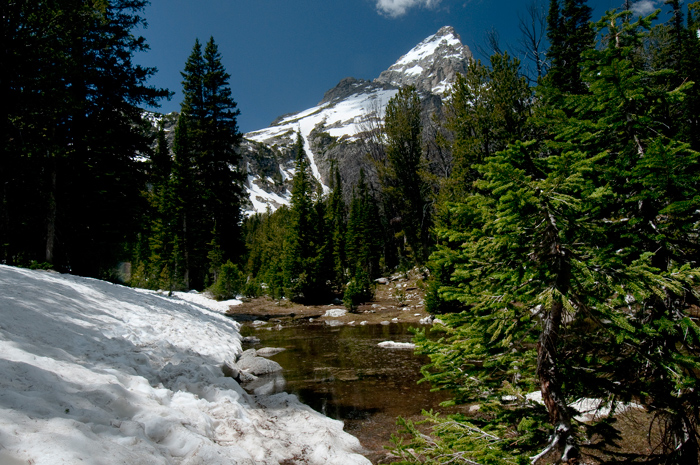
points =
(430, 66)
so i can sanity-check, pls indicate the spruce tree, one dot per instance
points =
(298, 244)
(336, 219)
(363, 245)
(570, 34)
(487, 109)
(185, 207)
(401, 174)
(212, 139)
(575, 262)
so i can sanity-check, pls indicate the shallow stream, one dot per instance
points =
(341, 372)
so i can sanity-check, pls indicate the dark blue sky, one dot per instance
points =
(284, 54)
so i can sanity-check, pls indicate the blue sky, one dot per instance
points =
(284, 54)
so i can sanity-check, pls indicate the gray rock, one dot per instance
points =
(230, 369)
(251, 363)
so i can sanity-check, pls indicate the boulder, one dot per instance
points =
(230, 369)
(251, 363)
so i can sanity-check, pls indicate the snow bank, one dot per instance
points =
(335, 312)
(589, 409)
(96, 373)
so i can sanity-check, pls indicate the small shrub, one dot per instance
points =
(229, 282)
(35, 265)
(360, 289)
(252, 289)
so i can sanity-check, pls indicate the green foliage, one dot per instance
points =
(265, 234)
(573, 256)
(229, 282)
(34, 265)
(406, 191)
(363, 243)
(193, 224)
(337, 223)
(570, 34)
(360, 289)
(455, 439)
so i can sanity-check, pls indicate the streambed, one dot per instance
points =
(341, 372)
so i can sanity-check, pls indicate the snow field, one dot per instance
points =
(97, 373)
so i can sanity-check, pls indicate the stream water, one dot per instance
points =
(342, 372)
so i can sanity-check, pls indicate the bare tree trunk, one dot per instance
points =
(186, 251)
(51, 216)
(533, 27)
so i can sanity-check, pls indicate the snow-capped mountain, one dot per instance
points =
(330, 129)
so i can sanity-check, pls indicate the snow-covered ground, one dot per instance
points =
(96, 373)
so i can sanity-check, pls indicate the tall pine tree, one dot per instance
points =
(400, 174)
(212, 138)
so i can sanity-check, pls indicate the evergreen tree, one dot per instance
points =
(156, 266)
(299, 247)
(212, 139)
(363, 245)
(400, 175)
(364, 233)
(71, 131)
(265, 240)
(570, 34)
(487, 109)
(336, 220)
(574, 264)
(185, 206)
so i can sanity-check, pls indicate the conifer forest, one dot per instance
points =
(554, 213)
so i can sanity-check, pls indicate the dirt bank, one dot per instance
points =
(399, 297)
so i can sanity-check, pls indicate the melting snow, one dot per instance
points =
(261, 198)
(97, 373)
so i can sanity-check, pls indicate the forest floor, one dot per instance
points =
(401, 300)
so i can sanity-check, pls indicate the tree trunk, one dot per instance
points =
(561, 442)
(186, 251)
(51, 215)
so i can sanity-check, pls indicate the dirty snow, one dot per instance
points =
(97, 373)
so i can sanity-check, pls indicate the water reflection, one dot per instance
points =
(342, 373)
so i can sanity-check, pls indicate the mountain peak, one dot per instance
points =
(447, 31)
(431, 65)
